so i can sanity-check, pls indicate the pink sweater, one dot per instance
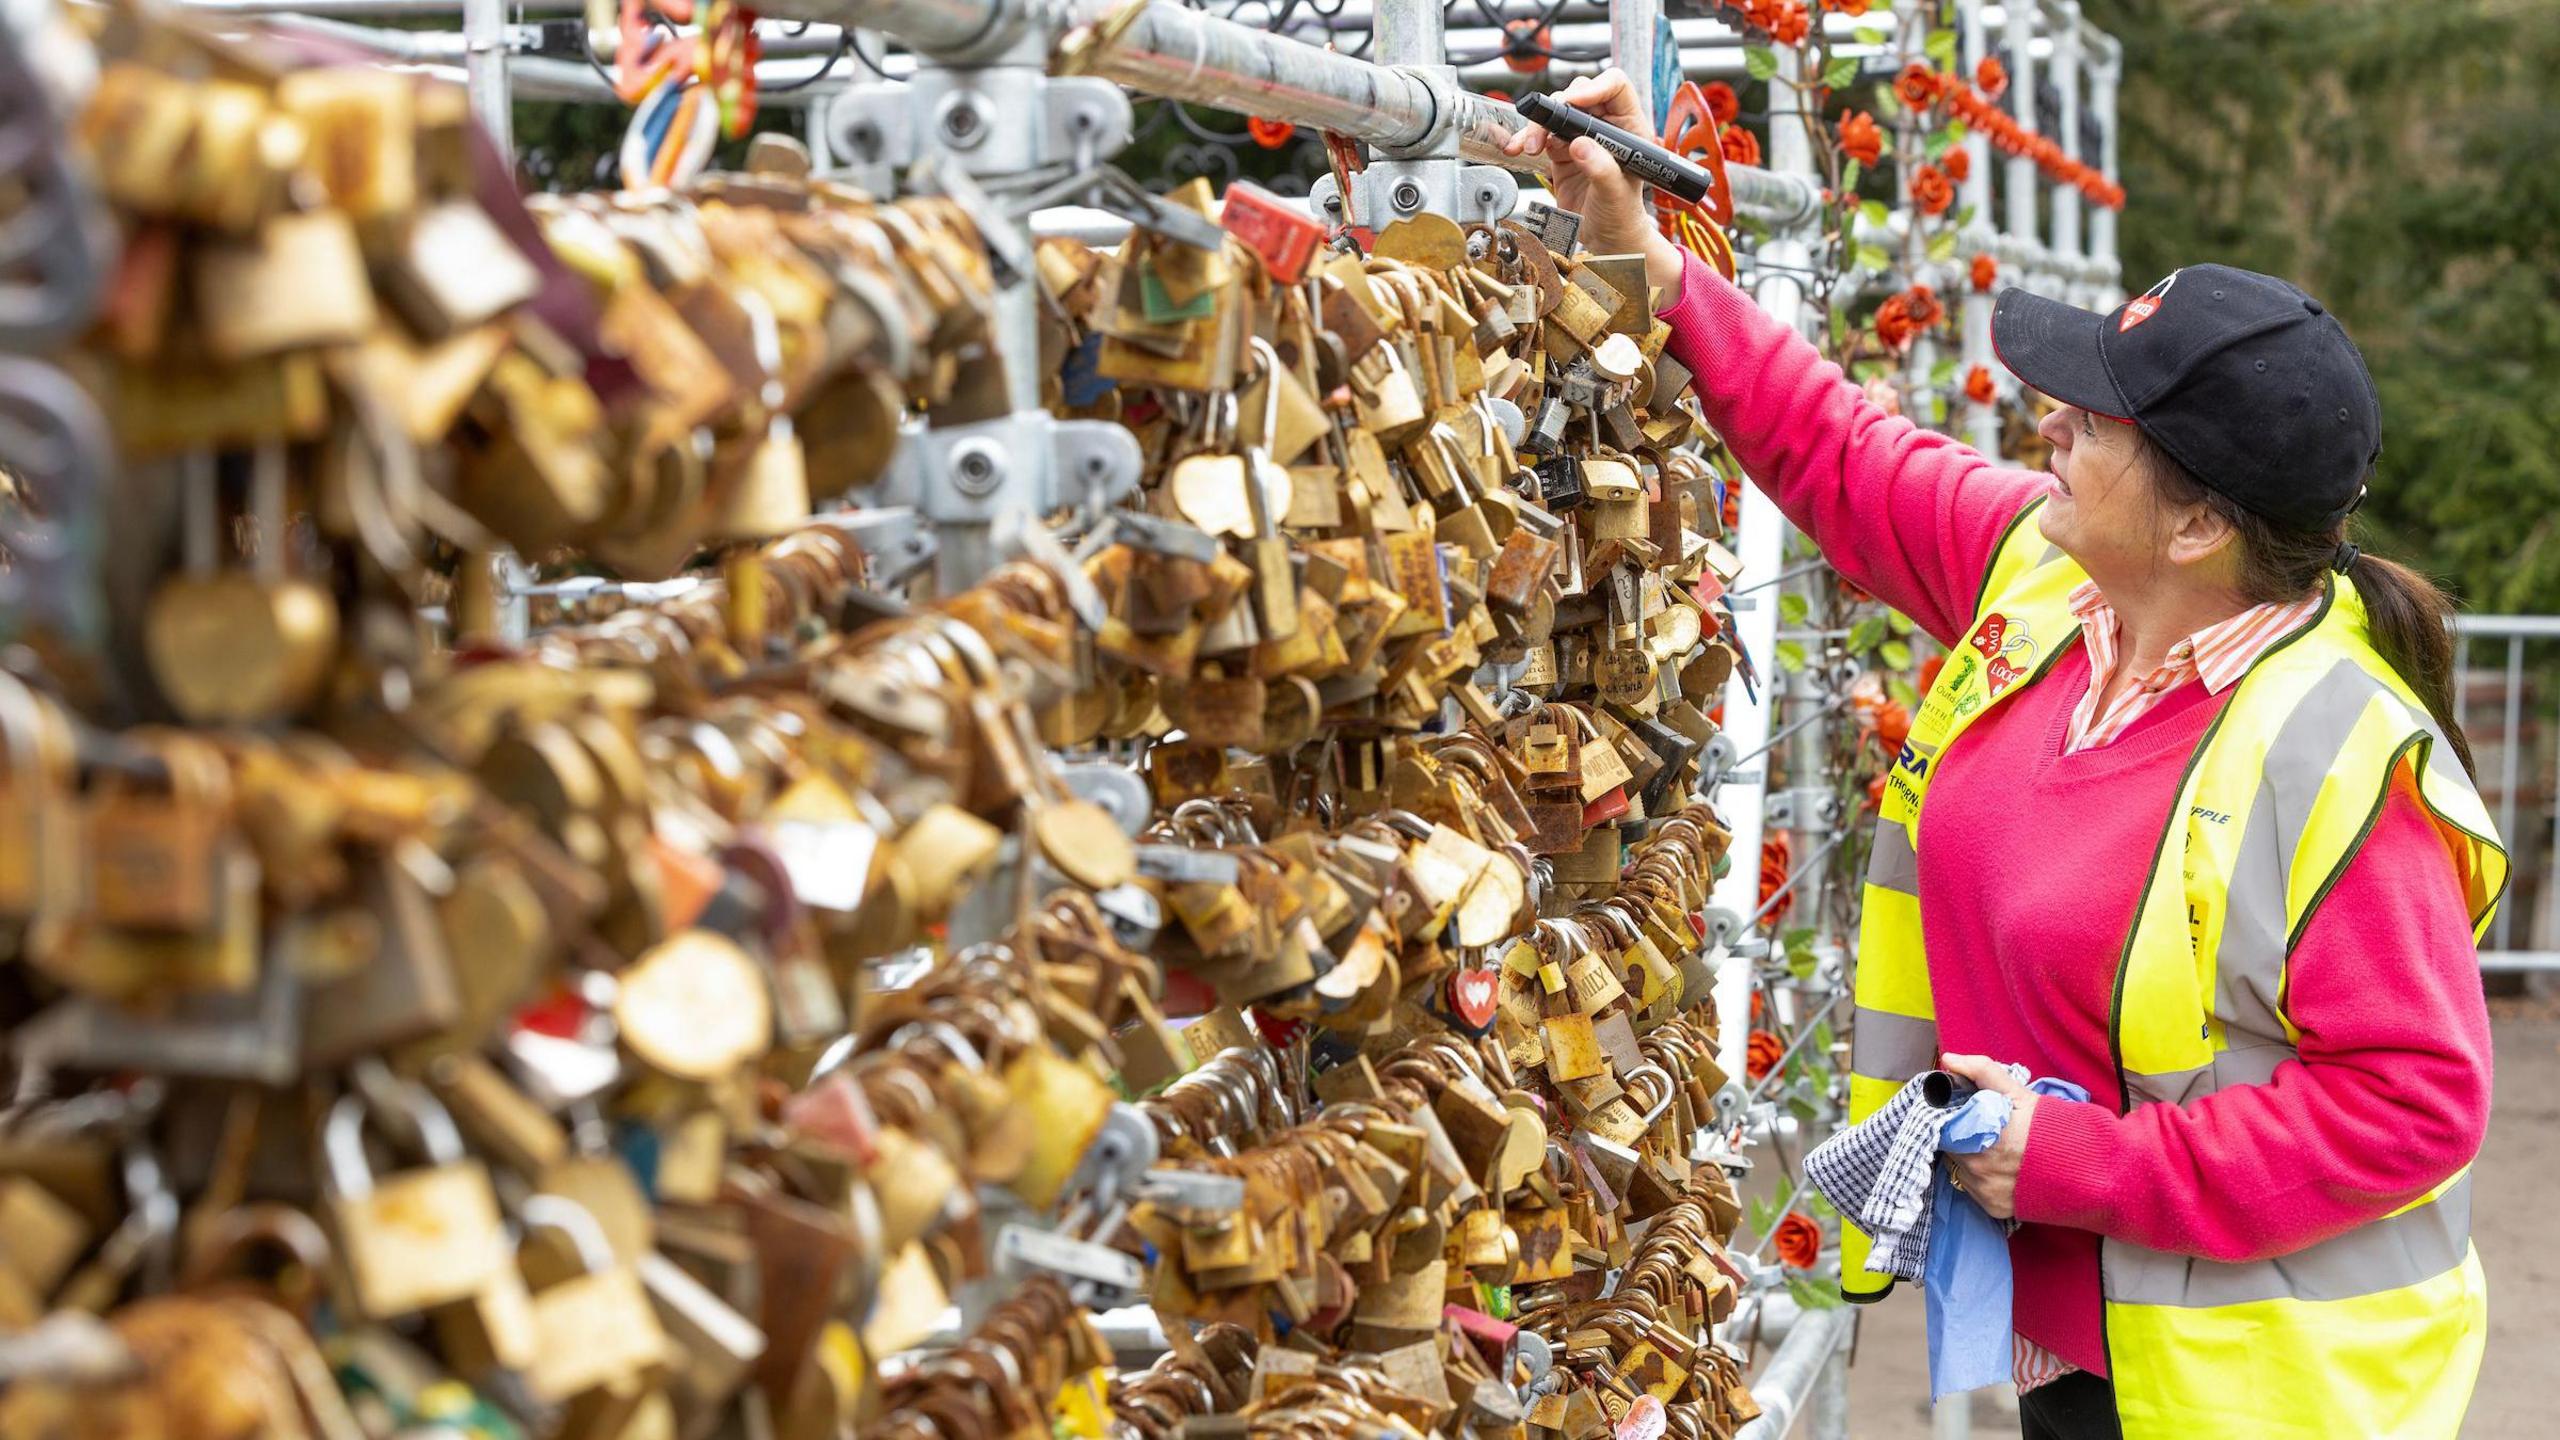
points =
(2030, 868)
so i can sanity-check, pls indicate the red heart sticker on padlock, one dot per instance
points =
(1473, 996)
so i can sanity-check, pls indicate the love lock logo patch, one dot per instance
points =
(2145, 305)
(1998, 638)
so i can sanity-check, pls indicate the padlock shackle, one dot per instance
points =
(342, 1156)
(568, 1217)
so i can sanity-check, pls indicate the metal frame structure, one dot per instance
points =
(978, 109)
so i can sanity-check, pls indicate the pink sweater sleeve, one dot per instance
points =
(2389, 1095)
(1909, 515)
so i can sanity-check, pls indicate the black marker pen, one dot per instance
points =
(1642, 159)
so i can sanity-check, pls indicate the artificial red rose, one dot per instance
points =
(1761, 14)
(1929, 669)
(1741, 147)
(1269, 134)
(1893, 322)
(1925, 309)
(1917, 85)
(1931, 190)
(1875, 792)
(1890, 723)
(1777, 858)
(1791, 24)
(1798, 1241)
(1958, 164)
(1991, 77)
(1760, 1054)
(1527, 45)
(1986, 273)
(1851, 8)
(1977, 385)
(1861, 139)
(1722, 103)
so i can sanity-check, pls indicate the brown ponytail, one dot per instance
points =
(2411, 622)
(2409, 619)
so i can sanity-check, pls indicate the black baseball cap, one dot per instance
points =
(2249, 383)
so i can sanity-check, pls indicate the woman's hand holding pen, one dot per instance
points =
(1587, 180)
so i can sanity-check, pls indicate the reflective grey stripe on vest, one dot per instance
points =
(1887, 1046)
(2379, 1255)
(2249, 967)
(1892, 865)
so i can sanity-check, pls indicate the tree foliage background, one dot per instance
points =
(2396, 159)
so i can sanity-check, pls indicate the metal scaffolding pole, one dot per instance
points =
(1798, 1370)
(1162, 49)
(484, 62)
(1742, 802)
(1981, 422)
(2104, 74)
(2066, 74)
(1634, 27)
(2022, 182)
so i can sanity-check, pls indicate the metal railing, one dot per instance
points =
(2506, 687)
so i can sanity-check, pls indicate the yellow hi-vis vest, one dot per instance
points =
(2374, 1332)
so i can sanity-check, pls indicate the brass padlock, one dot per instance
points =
(596, 1327)
(421, 1238)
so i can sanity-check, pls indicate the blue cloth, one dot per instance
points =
(1966, 1281)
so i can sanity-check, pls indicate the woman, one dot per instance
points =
(2198, 834)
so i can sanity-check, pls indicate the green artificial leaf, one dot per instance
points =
(1797, 939)
(1874, 213)
(1901, 691)
(1760, 62)
(1894, 655)
(1872, 34)
(1938, 144)
(1940, 47)
(1962, 218)
(1802, 1107)
(1839, 331)
(1790, 655)
(1793, 609)
(1871, 258)
(1867, 633)
(1841, 73)
(1942, 246)
(1850, 172)
(1888, 106)
(1900, 622)
(1819, 1206)
(1813, 1293)
(1943, 373)
(1764, 1215)
(1785, 1196)
(1802, 963)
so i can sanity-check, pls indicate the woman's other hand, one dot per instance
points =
(1991, 1177)
(1586, 179)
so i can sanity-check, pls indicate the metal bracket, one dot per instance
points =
(1423, 179)
(995, 122)
(960, 479)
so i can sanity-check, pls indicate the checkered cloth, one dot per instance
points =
(1876, 1172)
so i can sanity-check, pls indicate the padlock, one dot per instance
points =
(420, 1238)
(595, 1328)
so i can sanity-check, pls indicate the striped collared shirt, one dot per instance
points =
(2219, 655)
